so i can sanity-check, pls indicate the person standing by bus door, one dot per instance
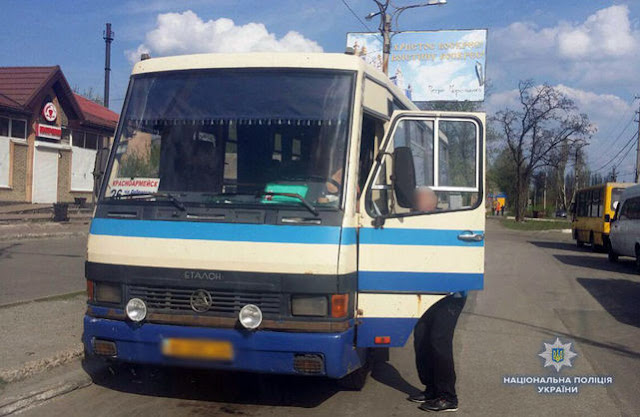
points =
(433, 344)
(433, 336)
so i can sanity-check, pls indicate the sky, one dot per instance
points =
(588, 48)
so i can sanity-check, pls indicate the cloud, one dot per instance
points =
(186, 33)
(604, 48)
(605, 34)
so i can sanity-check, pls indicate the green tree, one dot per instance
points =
(145, 165)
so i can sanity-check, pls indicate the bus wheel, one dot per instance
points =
(579, 243)
(356, 380)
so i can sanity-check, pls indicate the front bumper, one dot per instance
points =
(258, 351)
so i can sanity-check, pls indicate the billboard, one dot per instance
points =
(430, 65)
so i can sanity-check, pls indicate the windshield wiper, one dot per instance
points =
(304, 202)
(145, 196)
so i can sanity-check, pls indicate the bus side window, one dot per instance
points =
(624, 211)
(370, 142)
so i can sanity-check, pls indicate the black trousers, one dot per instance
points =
(433, 343)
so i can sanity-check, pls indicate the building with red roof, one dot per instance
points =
(49, 136)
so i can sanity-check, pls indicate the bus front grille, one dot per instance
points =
(173, 299)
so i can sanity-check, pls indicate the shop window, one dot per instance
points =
(14, 128)
(91, 141)
(66, 135)
(86, 140)
(4, 126)
(18, 129)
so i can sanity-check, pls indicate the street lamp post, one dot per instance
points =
(385, 23)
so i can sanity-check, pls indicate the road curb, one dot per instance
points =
(41, 235)
(41, 365)
(53, 297)
(32, 398)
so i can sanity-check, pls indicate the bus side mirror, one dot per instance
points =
(99, 168)
(404, 176)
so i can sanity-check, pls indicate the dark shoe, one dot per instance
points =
(439, 404)
(421, 397)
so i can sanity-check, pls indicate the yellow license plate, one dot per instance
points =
(198, 349)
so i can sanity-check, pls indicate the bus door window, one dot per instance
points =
(457, 164)
(453, 175)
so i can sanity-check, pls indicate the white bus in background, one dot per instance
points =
(625, 227)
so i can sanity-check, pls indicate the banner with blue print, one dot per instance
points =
(447, 65)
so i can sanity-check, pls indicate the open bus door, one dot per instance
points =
(411, 256)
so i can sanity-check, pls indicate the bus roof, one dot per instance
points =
(631, 191)
(608, 184)
(334, 61)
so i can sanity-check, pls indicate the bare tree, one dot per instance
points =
(545, 120)
(562, 180)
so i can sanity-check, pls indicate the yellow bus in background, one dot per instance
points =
(593, 210)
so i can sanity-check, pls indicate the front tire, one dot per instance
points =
(356, 380)
(613, 257)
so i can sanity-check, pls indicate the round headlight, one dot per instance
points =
(136, 309)
(250, 316)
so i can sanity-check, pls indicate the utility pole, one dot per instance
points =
(637, 178)
(386, 46)
(108, 38)
(544, 194)
(385, 27)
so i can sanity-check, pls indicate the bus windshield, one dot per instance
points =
(234, 137)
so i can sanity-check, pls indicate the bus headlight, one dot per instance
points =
(250, 316)
(304, 305)
(107, 293)
(136, 309)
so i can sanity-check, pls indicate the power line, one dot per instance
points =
(356, 16)
(618, 137)
(619, 152)
(623, 158)
(601, 156)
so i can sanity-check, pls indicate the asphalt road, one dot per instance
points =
(36, 268)
(538, 286)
